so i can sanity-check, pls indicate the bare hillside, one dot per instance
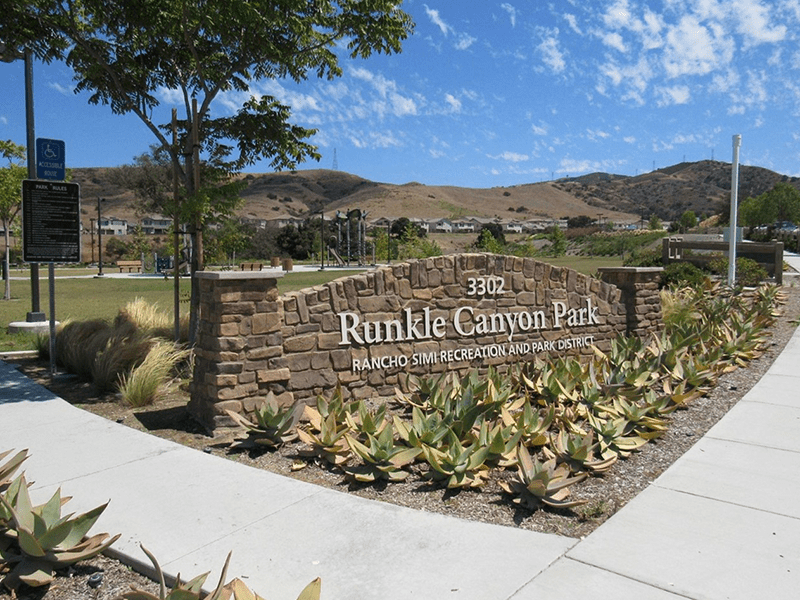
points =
(703, 187)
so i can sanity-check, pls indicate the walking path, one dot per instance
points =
(723, 522)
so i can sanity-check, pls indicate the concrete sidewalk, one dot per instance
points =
(722, 522)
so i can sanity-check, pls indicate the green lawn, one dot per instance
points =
(82, 299)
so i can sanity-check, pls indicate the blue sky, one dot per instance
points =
(489, 93)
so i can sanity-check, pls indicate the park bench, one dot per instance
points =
(129, 266)
(251, 266)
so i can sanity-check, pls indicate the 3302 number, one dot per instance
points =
(485, 286)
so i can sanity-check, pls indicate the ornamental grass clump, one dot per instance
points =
(141, 386)
(108, 353)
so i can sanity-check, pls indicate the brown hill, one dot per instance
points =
(703, 187)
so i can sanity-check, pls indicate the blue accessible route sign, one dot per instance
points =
(50, 161)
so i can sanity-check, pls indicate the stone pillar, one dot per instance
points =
(240, 330)
(640, 295)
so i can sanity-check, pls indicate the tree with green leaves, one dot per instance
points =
(655, 223)
(558, 242)
(687, 221)
(781, 203)
(126, 54)
(11, 178)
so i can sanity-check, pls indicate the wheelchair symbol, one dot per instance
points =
(50, 153)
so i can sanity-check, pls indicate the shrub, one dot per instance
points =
(748, 272)
(644, 258)
(680, 274)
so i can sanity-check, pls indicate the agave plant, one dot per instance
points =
(39, 540)
(538, 483)
(275, 425)
(193, 589)
(501, 442)
(329, 443)
(577, 452)
(533, 423)
(428, 429)
(615, 436)
(336, 406)
(8, 468)
(381, 457)
(364, 421)
(459, 466)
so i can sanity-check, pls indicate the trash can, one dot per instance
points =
(287, 264)
(276, 261)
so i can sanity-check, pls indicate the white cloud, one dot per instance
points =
(464, 41)
(433, 15)
(3, 120)
(453, 102)
(618, 15)
(678, 94)
(391, 101)
(513, 157)
(61, 89)
(551, 55)
(696, 49)
(170, 96)
(629, 139)
(539, 129)
(754, 23)
(572, 21)
(512, 13)
(375, 139)
(594, 134)
(614, 40)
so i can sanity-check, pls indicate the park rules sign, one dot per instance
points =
(51, 221)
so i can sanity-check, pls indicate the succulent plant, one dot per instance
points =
(275, 425)
(329, 443)
(429, 429)
(501, 442)
(236, 589)
(8, 468)
(533, 423)
(538, 483)
(364, 421)
(459, 466)
(577, 452)
(381, 457)
(39, 540)
(615, 436)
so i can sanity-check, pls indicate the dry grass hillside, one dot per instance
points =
(702, 186)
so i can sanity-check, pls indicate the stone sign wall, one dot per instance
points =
(369, 332)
